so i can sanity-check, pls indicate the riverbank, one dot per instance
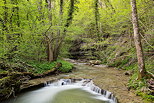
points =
(109, 79)
(15, 76)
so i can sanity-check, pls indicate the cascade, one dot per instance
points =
(66, 91)
(88, 85)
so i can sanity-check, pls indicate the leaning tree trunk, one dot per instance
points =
(137, 40)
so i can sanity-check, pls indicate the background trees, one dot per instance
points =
(41, 30)
(34, 29)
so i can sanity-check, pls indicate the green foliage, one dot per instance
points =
(2, 71)
(141, 87)
(146, 97)
(66, 66)
(131, 67)
(41, 67)
(150, 64)
(136, 84)
(114, 19)
(120, 62)
(23, 27)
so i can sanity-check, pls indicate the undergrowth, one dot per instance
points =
(41, 67)
(66, 66)
(141, 87)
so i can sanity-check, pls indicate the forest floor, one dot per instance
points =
(110, 79)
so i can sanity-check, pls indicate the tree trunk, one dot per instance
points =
(68, 22)
(110, 5)
(50, 50)
(57, 45)
(137, 40)
(40, 7)
(97, 18)
(5, 17)
(49, 10)
(70, 15)
(17, 14)
(50, 53)
(53, 48)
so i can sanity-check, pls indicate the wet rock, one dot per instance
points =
(94, 62)
(102, 66)
(128, 73)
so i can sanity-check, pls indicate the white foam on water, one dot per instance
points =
(47, 93)
(43, 95)
(87, 85)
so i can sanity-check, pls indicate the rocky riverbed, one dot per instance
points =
(105, 77)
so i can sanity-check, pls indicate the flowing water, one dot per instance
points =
(76, 96)
(66, 91)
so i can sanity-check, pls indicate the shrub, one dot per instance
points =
(66, 66)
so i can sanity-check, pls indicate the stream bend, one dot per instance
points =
(67, 91)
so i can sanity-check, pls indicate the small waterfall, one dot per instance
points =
(88, 85)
